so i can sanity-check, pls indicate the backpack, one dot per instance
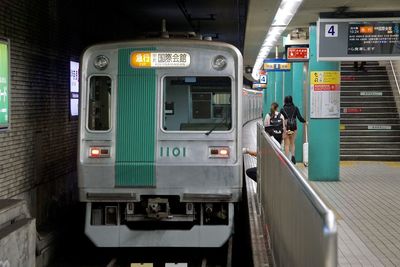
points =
(291, 123)
(276, 124)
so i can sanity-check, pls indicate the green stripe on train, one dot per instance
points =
(136, 116)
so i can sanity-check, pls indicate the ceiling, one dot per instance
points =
(261, 12)
(224, 20)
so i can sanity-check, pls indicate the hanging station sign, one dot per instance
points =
(325, 94)
(4, 84)
(358, 39)
(297, 53)
(276, 65)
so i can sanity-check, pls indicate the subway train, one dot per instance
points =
(160, 154)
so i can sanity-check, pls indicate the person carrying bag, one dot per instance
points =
(274, 123)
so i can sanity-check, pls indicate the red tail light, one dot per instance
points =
(99, 152)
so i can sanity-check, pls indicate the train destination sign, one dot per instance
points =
(373, 38)
(160, 60)
(4, 84)
(358, 39)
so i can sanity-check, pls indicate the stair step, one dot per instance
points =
(371, 116)
(361, 110)
(370, 157)
(352, 139)
(377, 127)
(376, 145)
(370, 151)
(370, 133)
(366, 104)
(366, 99)
(380, 121)
(366, 87)
(383, 77)
(365, 83)
(366, 67)
(361, 93)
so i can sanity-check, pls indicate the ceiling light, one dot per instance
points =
(285, 13)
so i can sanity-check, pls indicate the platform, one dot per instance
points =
(366, 203)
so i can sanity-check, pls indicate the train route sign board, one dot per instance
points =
(4, 85)
(358, 39)
(325, 94)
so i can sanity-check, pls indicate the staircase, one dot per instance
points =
(370, 124)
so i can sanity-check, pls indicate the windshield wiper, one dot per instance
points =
(216, 125)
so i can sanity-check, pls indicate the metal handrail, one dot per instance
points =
(297, 203)
(395, 77)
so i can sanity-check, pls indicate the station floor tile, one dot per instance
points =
(366, 202)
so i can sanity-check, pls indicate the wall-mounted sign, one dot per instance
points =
(4, 84)
(263, 78)
(276, 65)
(358, 39)
(325, 94)
(74, 88)
(159, 60)
(295, 53)
(259, 86)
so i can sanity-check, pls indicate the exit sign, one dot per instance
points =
(297, 53)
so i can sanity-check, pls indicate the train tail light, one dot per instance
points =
(218, 152)
(99, 152)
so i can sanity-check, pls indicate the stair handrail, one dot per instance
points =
(395, 76)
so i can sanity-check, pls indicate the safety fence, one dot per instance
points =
(302, 229)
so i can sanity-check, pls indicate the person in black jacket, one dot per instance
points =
(290, 112)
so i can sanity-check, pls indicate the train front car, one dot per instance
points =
(160, 160)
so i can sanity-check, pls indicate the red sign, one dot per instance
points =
(326, 87)
(297, 53)
(352, 110)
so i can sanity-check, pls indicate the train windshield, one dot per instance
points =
(197, 104)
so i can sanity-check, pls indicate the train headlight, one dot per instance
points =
(219, 62)
(101, 62)
(218, 152)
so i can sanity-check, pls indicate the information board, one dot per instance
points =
(4, 85)
(74, 88)
(358, 39)
(325, 94)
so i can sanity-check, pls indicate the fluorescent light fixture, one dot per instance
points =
(286, 11)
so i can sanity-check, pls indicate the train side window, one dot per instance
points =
(99, 103)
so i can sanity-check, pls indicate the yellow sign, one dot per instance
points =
(160, 60)
(277, 66)
(325, 77)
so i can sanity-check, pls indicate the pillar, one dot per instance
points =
(297, 94)
(324, 135)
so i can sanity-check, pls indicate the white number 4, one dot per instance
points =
(331, 30)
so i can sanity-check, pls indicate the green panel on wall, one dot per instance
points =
(136, 119)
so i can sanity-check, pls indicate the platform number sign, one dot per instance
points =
(263, 78)
(331, 30)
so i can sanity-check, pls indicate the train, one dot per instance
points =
(160, 154)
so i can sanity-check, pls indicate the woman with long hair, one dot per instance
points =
(291, 112)
(274, 123)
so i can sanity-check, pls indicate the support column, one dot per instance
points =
(269, 96)
(324, 135)
(287, 84)
(297, 94)
(278, 87)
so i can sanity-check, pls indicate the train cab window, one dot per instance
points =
(200, 103)
(99, 103)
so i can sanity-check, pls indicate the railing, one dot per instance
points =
(395, 76)
(302, 229)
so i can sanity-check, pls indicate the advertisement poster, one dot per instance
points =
(325, 94)
(4, 68)
(74, 88)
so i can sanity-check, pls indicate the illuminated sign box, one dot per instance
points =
(297, 53)
(259, 86)
(276, 65)
(159, 60)
(4, 84)
(358, 39)
(74, 88)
